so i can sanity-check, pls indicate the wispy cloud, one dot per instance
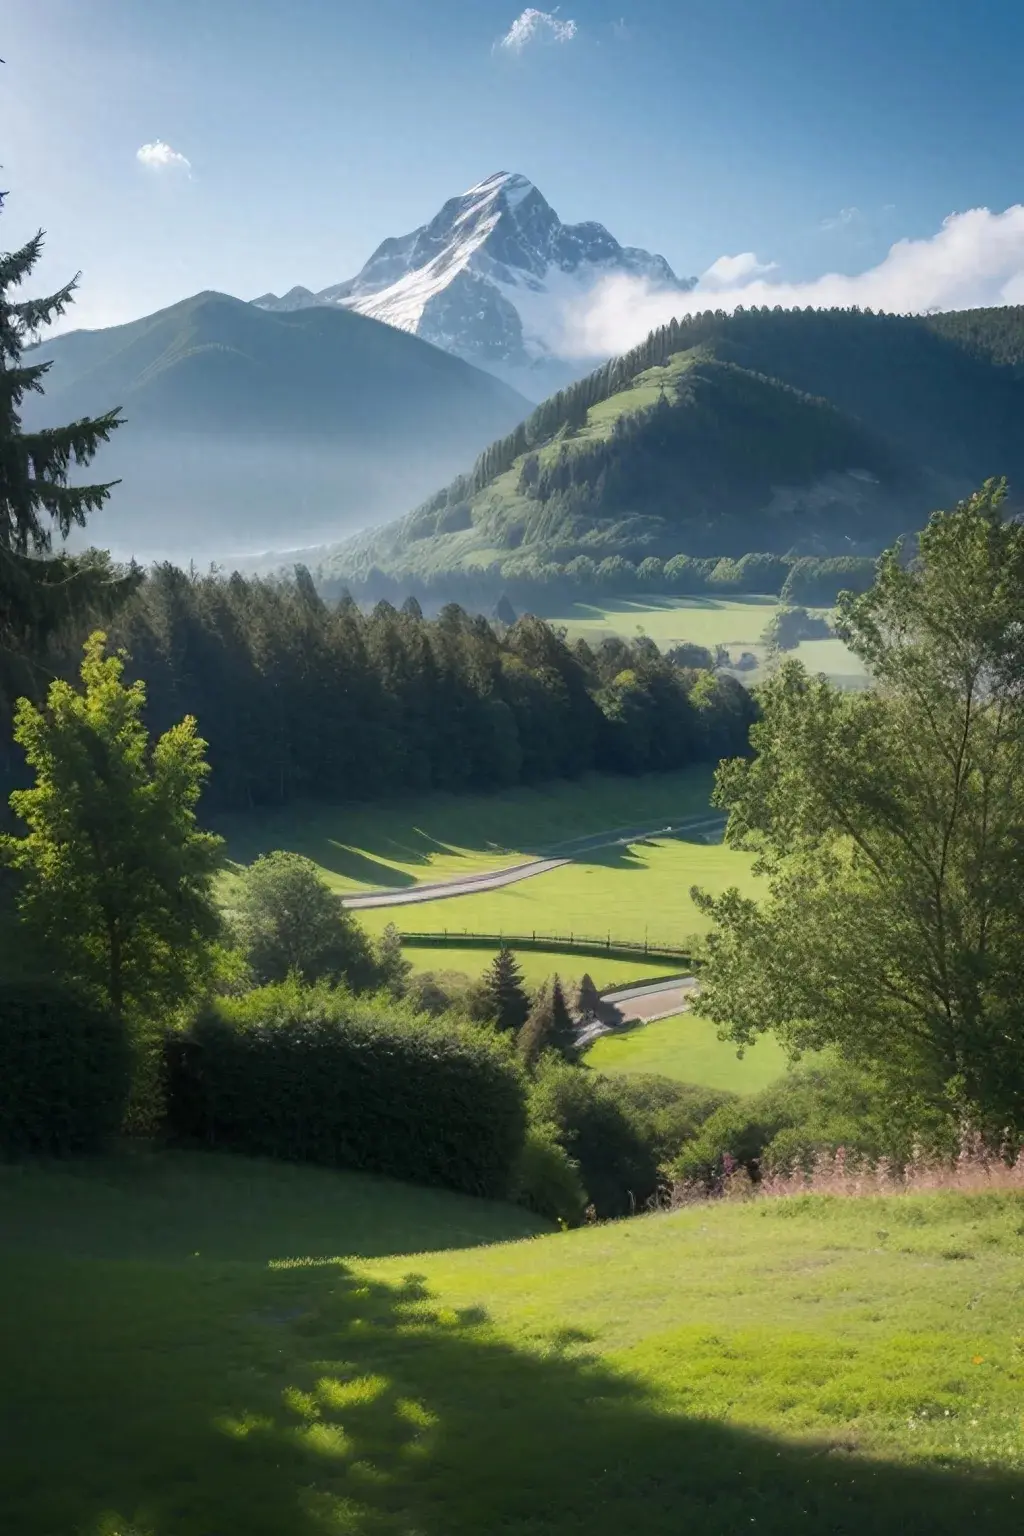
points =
(843, 219)
(535, 26)
(159, 156)
(976, 258)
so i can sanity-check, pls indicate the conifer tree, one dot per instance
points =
(39, 591)
(549, 1027)
(503, 993)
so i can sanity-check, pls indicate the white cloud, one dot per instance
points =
(159, 156)
(535, 26)
(731, 271)
(976, 258)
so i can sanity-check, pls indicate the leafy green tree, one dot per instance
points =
(116, 879)
(549, 1027)
(40, 592)
(392, 967)
(502, 992)
(288, 921)
(889, 825)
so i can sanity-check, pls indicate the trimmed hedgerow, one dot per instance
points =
(64, 1071)
(314, 1074)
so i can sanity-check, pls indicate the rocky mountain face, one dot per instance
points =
(491, 278)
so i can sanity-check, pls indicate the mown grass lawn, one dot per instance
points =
(688, 1049)
(434, 837)
(819, 1366)
(637, 892)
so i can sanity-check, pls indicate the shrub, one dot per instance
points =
(314, 1074)
(64, 1071)
(618, 1168)
(812, 1111)
(439, 992)
(667, 1114)
(547, 1180)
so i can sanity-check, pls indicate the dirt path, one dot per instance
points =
(493, 880)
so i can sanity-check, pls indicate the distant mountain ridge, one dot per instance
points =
(488, 278)
(246, 430)
(817, 432)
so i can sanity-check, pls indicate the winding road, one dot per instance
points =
(708, 825)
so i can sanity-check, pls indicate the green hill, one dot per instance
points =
(202, 1343)
(822, 431)
(246, 430)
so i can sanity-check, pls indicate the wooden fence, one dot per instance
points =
(568, 944)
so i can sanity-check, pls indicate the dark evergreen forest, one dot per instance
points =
(300, 697)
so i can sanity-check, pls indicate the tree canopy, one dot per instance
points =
(890, 826)
(116, 878)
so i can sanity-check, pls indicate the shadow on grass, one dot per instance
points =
(306, 1401)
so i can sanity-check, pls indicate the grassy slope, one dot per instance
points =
(629, 892)
(815, 1367)
(688, 1049)
(436, 836)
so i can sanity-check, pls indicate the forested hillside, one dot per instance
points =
(824, 432)
(246, 431)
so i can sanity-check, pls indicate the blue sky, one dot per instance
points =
(812, 134)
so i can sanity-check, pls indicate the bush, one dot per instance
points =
(813, 1110)
(64, 1071)
(316, 1075)
(617, 1166)
(440, 992)
(666, 1114)
(547, 1180)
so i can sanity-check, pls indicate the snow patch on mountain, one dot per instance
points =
(492, 277)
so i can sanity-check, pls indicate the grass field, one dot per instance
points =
(182, 1358)
(688, 1049)
(737, 623)
(433, 837)
(538, 965)
(641, 890)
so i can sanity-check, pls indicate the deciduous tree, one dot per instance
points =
(889, 825)
(116, 878)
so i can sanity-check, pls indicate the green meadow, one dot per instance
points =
(537, 964)
(688, 1049)
(396, 845)
(634, 892)
(206, 1344)
(738, 623)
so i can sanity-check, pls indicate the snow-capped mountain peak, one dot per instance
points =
(489, 278)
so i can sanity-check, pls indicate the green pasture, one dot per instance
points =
(688, 1049)
(536, 965)
(435, 837)
(637, 891)
(198, 1345)
(737, 623)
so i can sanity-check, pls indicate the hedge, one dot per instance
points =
(316, 1075)
(64, 1071)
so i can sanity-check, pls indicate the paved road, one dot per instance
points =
(493, 880)
(655, 1000)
